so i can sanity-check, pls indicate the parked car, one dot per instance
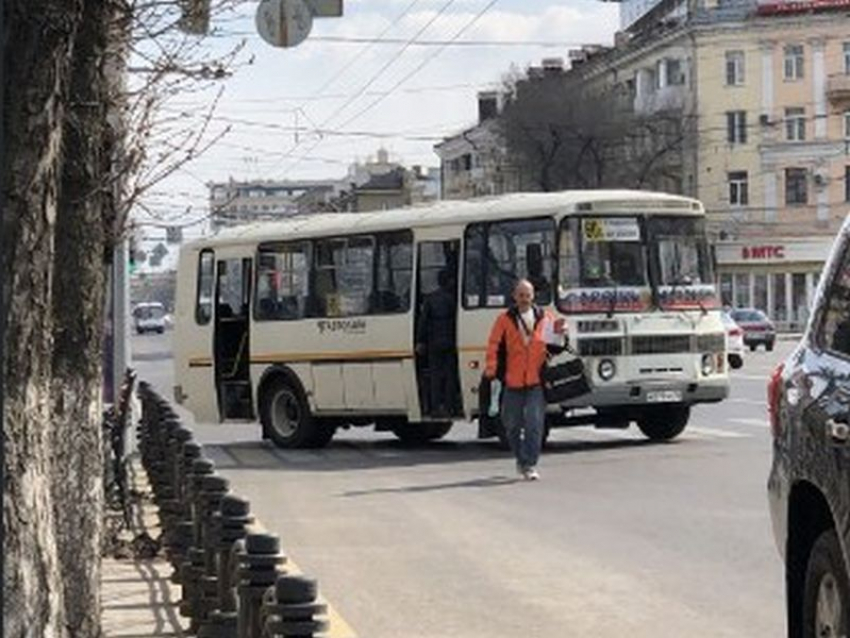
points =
(758, 329)
(809, 484)
(149, 317)
(734, 342)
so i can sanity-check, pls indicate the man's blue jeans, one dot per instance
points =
(524, 417)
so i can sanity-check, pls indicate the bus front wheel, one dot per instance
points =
(286, 417)
(662, 423)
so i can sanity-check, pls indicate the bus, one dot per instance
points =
(317, 322)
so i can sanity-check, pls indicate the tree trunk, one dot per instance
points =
(39, 41)
(78, 309)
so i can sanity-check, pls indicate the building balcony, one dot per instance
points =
(669, 98)
(838, 88)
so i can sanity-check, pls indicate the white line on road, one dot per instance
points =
(759, 423)
(715, 433)
(759, 402)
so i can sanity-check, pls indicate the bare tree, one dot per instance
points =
(41, 33)
(77, 159)
(569, 134)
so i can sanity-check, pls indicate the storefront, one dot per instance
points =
(777, 277)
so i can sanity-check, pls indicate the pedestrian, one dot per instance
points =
(437, 338)
(523, 330)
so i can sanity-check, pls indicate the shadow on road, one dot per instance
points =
(344, 455)
(479, 483)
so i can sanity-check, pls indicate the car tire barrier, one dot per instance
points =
(233, 580)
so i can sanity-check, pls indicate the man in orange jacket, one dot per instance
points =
(522, 329)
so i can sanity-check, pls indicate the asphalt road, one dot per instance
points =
(620, 537)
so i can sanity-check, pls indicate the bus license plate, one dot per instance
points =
(664, 396)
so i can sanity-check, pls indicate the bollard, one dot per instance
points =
(178, 538)
(230, 527)
(170, 508)
(290, 609)
(258, 572)
(198, 576)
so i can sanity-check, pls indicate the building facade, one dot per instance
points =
(475, 162)
(774, 159)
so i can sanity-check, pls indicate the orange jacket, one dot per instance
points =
(524, 362)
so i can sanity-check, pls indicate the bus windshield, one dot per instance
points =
(602, 265)
(679, 249)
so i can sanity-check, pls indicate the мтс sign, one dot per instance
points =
(763, 252)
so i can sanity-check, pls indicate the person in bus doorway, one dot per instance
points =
(437, 339)
(522, 329)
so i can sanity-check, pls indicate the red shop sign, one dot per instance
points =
(763, 252)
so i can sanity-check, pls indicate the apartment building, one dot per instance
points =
(475, 162)
(377, 183)
(762, 91)
(774, 156)
(241, 202)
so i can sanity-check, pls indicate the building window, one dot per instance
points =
(847, 58)
(736, 127)
(796, 183)
(794, 62)
(780, 302)
(795, 124)
(734, 68)
(738, 188)
(742, 290)
(675, 74)
(847, 183)
(847, 125)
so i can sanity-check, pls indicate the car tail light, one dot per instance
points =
(735, 332)
(774, 395)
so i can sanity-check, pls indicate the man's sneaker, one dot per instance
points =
(531, 474)
(521, 470)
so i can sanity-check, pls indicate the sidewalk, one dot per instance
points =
(138, 599)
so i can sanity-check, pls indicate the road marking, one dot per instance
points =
(761, 403)
(760, 423)
(715, 433)
(751, 377)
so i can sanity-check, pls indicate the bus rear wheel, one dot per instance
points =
(663, 423)
(419, 433)
(287, 420)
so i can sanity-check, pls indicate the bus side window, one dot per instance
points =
(283, 276)
(206, 284)
(394, 274)
(473, 266)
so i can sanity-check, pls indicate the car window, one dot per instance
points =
(834, 333)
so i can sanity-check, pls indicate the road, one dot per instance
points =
(620, 537)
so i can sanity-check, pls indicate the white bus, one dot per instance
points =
(316, 323)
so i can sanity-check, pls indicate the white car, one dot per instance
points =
(149, 317)
(734, 342)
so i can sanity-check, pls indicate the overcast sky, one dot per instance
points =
(402, 96)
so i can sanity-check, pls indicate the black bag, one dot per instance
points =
(564, 381)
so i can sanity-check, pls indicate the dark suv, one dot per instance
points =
(809, 485)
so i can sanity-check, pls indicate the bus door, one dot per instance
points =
(231, 336)
(435, 328)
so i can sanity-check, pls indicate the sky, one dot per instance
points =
(349, 97)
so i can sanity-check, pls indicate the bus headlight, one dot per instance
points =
(707, 364)
(606, 369)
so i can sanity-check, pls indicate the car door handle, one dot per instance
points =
(838, 432)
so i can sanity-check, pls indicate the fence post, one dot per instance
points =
(291, 609)
(259, 571)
